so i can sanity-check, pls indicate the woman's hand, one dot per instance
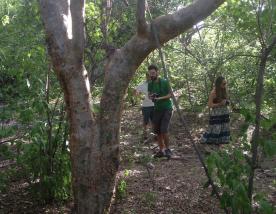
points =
(223, 102)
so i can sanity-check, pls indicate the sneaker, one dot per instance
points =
(168, 153)
(159, 154)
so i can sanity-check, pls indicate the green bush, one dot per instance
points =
(49, 176)
(230, 170)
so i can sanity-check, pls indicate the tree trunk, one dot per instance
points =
(94, 141)
(258, 100)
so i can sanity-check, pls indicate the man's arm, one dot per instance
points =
(168, 96)
(149, 91)
(138, 90)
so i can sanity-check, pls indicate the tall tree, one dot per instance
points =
(267, 40)
(94, 140)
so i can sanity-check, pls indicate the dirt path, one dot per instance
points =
(159, 185)
(147, 185)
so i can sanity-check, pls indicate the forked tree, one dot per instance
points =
(94, 139)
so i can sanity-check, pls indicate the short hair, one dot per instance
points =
(152, 67)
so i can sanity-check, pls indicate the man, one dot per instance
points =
(147, 105)
(159, 93)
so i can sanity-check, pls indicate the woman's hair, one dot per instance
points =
(220, 92)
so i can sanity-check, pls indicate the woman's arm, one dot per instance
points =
(211, 103)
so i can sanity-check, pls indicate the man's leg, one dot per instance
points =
(151, 113)
(156, 124)
(146, 119)
(160, 142)
(161, 152)
(166, 139)
(159, 137)
(145, 131)
(164, 131)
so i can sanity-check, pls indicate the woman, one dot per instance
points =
(218, 131)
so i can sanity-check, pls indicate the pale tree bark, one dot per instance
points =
(141, 19)
(105, 16)
(94, 141)
(65, 38)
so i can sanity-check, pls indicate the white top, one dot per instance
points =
(143, 88)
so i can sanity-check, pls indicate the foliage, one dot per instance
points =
(121, 190)
(226, 43)
(48, 182)
(42, 154)
(231, 170)
(149, 198)
(265, 207)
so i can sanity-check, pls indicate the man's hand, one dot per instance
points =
(136, 93)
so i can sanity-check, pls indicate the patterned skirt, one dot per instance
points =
(218, 131)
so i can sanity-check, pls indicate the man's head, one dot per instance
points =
(153, 72)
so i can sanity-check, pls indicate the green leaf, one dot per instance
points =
(266, 208)
(269, 147)
(248, 115)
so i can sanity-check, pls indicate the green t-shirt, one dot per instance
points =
(161, 87)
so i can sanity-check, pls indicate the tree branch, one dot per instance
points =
(172, 25)
(273, 43)
(55, 16)
(126, 2)
(258, 101)
(270, 26)
(121, 67)
(140, 17)
(64, 25)
(186, 40)
(137, 48)
(77, 16)
(11, 139)
(261, 34)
